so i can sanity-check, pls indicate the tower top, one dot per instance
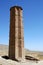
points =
(16, 7)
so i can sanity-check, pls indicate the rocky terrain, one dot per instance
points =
(35, 54)
(11, 62)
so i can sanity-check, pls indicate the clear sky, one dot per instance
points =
(32, 19)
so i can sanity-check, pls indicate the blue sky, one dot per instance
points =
(32, 19)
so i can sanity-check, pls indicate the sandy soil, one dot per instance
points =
(11, 62)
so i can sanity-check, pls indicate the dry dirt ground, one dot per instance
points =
(36, 54)
(11, 62)
(4, 51)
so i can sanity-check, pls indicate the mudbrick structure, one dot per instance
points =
(16, 37)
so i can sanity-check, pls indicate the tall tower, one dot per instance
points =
(16, 40)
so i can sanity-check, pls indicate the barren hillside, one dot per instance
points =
(36, 54)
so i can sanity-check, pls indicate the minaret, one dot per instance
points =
(16, 37)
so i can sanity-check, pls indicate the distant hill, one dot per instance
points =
(36, 54)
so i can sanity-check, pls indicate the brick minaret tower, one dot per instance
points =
(16, 40)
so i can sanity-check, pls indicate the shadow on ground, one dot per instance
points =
(7, 58)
